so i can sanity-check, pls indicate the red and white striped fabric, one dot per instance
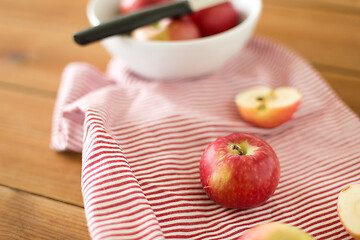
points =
(142, 141)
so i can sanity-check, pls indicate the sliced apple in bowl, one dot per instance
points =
(168, 29)
(348, 207)
(267, 107)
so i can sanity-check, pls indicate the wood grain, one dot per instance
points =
(49, 13)
(39, 61)
(40, 194)
(347, 87)
(349, 6)
(25, 153)
(315, 34)
(27, 216)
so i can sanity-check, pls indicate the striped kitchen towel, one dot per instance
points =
(142, 140)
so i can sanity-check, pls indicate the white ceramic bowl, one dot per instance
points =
(166, 61)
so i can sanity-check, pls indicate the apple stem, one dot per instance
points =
(237, 148)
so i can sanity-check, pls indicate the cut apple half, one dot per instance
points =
(168, 29)
(156, 31)
(348, 207)
(275, 231)
(267, 107)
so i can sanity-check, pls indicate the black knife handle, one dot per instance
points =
(127, 23)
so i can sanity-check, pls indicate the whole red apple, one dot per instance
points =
(168, 29)
(216, 19)
(130, 6)
(239, 171)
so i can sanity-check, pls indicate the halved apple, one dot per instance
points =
(267, 107)
(157, 31)
(168, 29)
(275, 231)
(348, 207)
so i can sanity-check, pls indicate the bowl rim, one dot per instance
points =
(250, 19)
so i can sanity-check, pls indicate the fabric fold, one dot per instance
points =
(142, 141)
(78, 79)
(115, 205)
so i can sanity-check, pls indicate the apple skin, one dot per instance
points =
(272, 115)
(269, 118)
(183, 29)
(348, 209)
(275, 231)
(239, 181)
(216, 19)
(168, 29)
(130, 6)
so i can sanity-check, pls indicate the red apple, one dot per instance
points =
(130, 6)
(239, 171)
(168, 29)
(216, 19)
(275, 231)
(348, 207)
(266, 107)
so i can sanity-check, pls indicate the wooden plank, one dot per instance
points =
(27, 162)
(37, 42)
(347, 87)
(26, 216)
(333, 5)
(49, 13)
(325, 38)
(39, 61)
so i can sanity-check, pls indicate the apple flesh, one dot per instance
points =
(348, 207)
(239, 171)
(168, 29)
(130, 6)
(275, 231)
(216, 19)
(266, 107)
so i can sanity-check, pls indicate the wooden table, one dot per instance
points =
(40, 196)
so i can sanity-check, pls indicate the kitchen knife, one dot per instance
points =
(126, 23)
